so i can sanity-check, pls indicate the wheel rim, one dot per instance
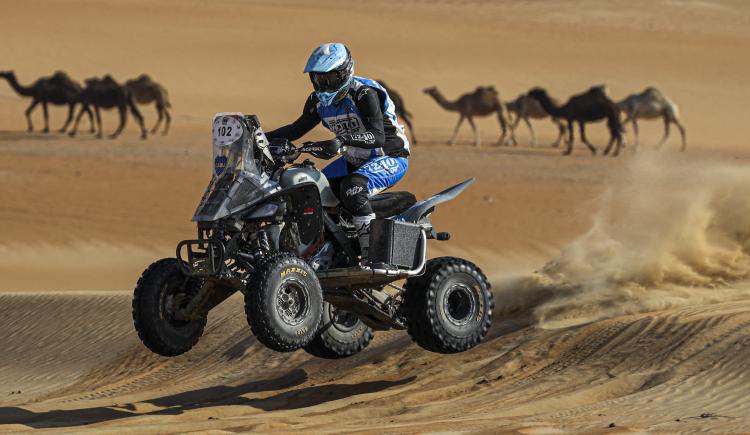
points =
(292, 302)
(342, 320)
(460, 304)
(173, 298)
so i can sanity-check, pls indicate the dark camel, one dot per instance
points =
(525, 108)
(482, 102)
(651, 104)
(106, 93)
(590, 106)
(401, 111)
(58, 90)
(146, 91)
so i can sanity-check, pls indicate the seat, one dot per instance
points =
(389, 204)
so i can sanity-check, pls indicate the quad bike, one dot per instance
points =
(275, 231)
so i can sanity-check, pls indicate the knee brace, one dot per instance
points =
(354, 195)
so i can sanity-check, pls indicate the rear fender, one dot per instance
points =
(420, 210)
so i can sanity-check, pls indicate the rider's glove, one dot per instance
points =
(325, 149)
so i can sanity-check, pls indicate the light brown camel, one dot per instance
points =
(146, 91)
(106, 93)
(482, 102)
(524, 108)
(651, 104)
(58, 90)
(590, 106)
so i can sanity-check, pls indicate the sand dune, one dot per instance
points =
(689, 360)
(621, 284)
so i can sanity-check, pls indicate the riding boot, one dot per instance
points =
(362, 226)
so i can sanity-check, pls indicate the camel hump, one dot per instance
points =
(599, 89)
(143, 78)
(652, 91)
(109, 80)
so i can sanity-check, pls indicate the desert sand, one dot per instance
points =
(621, 285)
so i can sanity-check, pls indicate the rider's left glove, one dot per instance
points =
(326, 149)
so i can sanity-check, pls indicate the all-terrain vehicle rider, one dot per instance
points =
(363, 118)
(274, 229)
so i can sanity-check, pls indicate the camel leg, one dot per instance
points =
(123, 112)
(87, 109)
(666, 133)
(138, 117)
(28, 115)
(569, 148)
(635, 133)
(504, 126)
(98, 122)
(455, 130)
(477, 139)
(71, 109)
(560, 133)
(531, 130)
(682, 134)
(169, 121)
(159, 110)
(582, 127)
(46, 117)
(84, 108)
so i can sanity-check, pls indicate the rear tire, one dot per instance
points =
(284, 303)
(449, 308)
(162, 288)
(341, 334)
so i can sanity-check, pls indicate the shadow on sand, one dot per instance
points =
(202, 398)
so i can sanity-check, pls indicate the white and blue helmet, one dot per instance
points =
(331, 70)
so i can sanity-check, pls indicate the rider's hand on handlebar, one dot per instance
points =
(325, 149)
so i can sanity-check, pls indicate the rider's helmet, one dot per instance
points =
(331, 70)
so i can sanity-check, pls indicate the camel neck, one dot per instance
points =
(445, 104)
(549, 106)
(21, 90)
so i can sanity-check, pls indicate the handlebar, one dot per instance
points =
(287, 152)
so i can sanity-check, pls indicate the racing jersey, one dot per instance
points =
(364, 120)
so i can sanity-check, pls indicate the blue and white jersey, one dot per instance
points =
(345, 117)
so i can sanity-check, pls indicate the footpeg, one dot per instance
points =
(443, 236)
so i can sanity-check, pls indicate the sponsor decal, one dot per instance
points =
(366, 137)
(220, 164)
(296, 270)
(344, 125)
(354, 190)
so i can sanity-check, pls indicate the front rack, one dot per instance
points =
(205, 257)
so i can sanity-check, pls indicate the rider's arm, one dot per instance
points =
(306, 122)
(368, 103)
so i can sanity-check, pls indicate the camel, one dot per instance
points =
(145, 91)
(58, 90)
(525, 107)
(590, 106)
(651, 104)
(401, 111)
(106, 93)
(482, 102)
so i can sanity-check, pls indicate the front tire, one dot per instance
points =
(284, 303)
(449, 308)
(162, 289)
(341, 334)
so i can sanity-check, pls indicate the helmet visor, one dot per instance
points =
(329, 81)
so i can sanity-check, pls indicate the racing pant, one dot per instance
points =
(356, 185)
